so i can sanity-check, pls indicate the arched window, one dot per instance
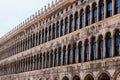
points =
(117, 43)
(101, 13)
(104, 76)
(94, 10)
(39, 37)
(88, 15)
(53, 35)
(65, 78)
(40, 61)
(80, 51)
(100, 52)
(43, 36)
(51, 60)
(66, 25)
(71, 24)
(86, 57)
(64, 55)
(75, 53)
(117, 6)
(50, 32)
(89, 77)
(76, 78)
(108, 45)
(76, 21)
(109, 8)
(82, 18)
(46, 35)
(62, 28)
(55, 58)
(69, 54)
(93, 49)
(59, 58)
(57, 31)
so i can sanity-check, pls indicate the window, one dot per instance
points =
(93, 49)
(86, 57)
(57, 31)
(71, 23)
(53, 31)
(46, 35)
(50, 33)
(109, 8)
(55, 59)
(81, 18)
(43, 36)
(59, 59)
(64, 56)
(75, 53)
(51, 60)
(108, 45)
(76, 21)
(62, 28)
(80, 51)
(69, 55)
(117, 6)
(100, 52)
(94, 15)
(66, 25)
(101, 6)
(117, 43)
(87, 16)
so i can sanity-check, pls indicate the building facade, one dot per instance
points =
(68, 40)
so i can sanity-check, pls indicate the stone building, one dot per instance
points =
(66, 40)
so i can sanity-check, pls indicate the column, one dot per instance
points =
(89, 58)
(72, 53)
(53, 57)
(113, 7)
(68, 23)
(64, 26)
(104, 45)
(91, 16)
(73, 22)
(97, 48)
(78, 19)
(84, 17)
(98, 9)
(113, 45)
(67, 55)
(61, 56)
(83, 52)
(57, 56)
(49, 59)
(42, 60)
(105, 9)
(77, 58)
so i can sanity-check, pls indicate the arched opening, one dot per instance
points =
(75, 53)
(117, 43)
(76, 78)
(66, 25)
(104, 76)
(93, 49)
(87, 15)
(94, 12)
(59, 58)
(86, 56)
(101, 12)
(62, 28)
(76, 21)
(65, 78)
(57, 30)
(81, 18)
(100, 47)
(89, 77)
(117, 6)
(80, 51)
(69, 54)
(71, 24)
(108, 45)
(64, 55)
(109, 8)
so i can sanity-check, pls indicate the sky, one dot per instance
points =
(13, 12)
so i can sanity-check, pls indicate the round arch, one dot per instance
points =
(116, 75)
(89, 77)
(65, 78)
(76, 77)
(103, 76)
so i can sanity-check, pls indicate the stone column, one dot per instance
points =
(57, 56)
(89, 53)
(64, 26)
(113, 7)
(53, 57)
(72, 53)
(49, 59)
(91, 16)
(104, 47)
(84, 18)
(113, 45)
(105, 9)
(61, 56)
(68, 23)
(97, 48)
(98, 10)
(67, 55)
(77, 58)
(83, 53)
(78, 19)
(42, 60)
(73, 22)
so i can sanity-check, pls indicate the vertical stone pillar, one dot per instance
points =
(60, 29)
(105, 9)
(84, 17)
(42, 60)
(77, 57)
(49, 58)
(68, 23)
(91, 16)
(57, 56)
(72, 53)
(78, 19)
(73, 22)
(89, 58)
(67, 55)
(113, 7)
(64, 26)
(97, 48)
(113, 45)
(61, 56)
(83, 52)
(53, 57)
(98, 10)
(104, 45)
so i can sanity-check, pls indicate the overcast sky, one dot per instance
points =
(13, 12)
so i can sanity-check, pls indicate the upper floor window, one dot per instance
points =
(88, 15)
(117, 6)
(57, 30)
(50, 32)
(86, 57)
(71, 23)
(51, 60)
(66, 25)
(109, 8)
(55, 58)
(75, 53)
(62, 28)
(100, 52)
(69, 54)
(94, 15)
(76, 21)
(80, 51)
(93, 49)
(45, 34)
(117, 43)
(53, 35)
(59, 58)
(82, 18)
(108, 45)
(64, 56)
(101, 13)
